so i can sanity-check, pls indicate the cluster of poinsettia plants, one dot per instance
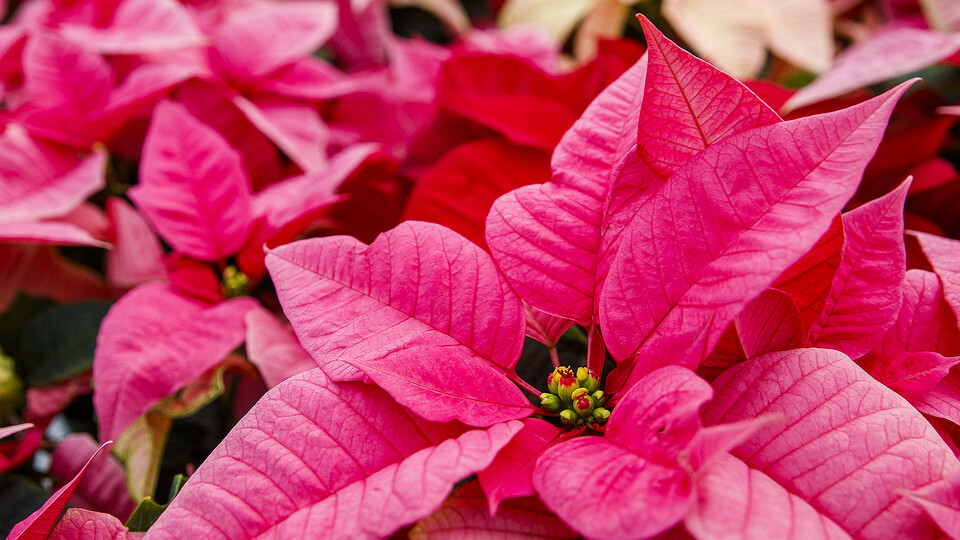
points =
(269, 268)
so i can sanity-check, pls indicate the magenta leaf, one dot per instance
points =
(465, 514)
(63, 75)
(711, 443)
(39, 524)
(555, 242)
(944, 400)
(626, 496)
(546, 238)
(10, 430)
(867, 288)
(728, 351)
(153, 342)
(771, 322)
(263, 37)
(890, 53)
(910, 374)
(312, 79)
(809, 280)
(15, 453)
(511, 473)
(47, 232)
(735, 501)
(293, 198)
(636, 480)
(421, 482)
(659, 416)
(364, 26)
(40, 180)
(544, 327)
(283, 209)
(944, 256)
(274, 349)
(207, 103)
(295, 128)
(80, 524)
(137, 256)
(419, 284)
(140, 27)
(341, 459)
(442, 387)
(741, 195)
(688, 105)
(192, 188)
(942, 501)
(106, 488)
(845, 443)
(140, 86)
(685, 349)
(925, 322)
(460, 187)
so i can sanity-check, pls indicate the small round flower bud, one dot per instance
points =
(583, 405)
(550, 402)
(578, 393)
(598, 397)
(552, 380)
(11, 387)
(569, 417)
(234, 282)
(601, 415)
(566, 383)
(588, 379)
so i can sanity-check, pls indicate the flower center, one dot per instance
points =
(576, 397)
(234, 282)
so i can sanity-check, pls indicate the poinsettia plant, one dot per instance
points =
(679, 202)
(689, 307)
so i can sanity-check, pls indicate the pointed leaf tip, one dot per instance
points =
(867, 292)
(40, 524)
(419, 284)
(712, 238)
(10, 430)
(548, 239)
(337, 458)
(846, 444)
(193, 187)
(689, 104)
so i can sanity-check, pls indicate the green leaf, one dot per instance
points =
(148, 510)
(19, 497)
(58, 343)
(140, 449)
(14, 320)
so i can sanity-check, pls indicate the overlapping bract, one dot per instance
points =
(693, 234)
(705, 241)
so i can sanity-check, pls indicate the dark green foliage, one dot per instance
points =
(19, 497)
(148, 511)
(58, 343)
